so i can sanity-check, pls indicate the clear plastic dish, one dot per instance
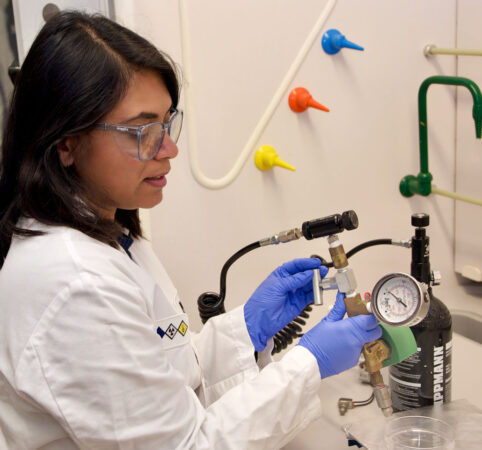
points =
(419, 432)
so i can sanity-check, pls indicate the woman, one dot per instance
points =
(95, 350)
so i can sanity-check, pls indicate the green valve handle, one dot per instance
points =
(401, 342)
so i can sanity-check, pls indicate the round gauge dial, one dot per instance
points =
(398, 300)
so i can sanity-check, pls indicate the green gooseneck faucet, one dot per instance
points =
(422, 183)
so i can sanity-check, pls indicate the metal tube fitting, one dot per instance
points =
(345, 279)
(337, 252)
(402, 243)
(384, 401)
(329, 283)
(317, 292)
(282, 237)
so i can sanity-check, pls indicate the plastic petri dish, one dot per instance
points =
(419, 432)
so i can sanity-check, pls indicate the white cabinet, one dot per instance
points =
(29, 17)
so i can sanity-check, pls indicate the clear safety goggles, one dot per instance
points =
(144, 142)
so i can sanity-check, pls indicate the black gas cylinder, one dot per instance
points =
(425, 377)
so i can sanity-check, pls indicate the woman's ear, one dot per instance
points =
(66, 148)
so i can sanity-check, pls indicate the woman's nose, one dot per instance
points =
(168, 149)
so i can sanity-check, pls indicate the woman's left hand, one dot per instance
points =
(280, 298)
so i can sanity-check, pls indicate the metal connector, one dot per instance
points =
(427, 50)
(328, 283)
(344, 404)
(333, 240)
(402, 243)
(384, 401)
(317, 291)
(345, 279)
(435, 278)
(282, 237)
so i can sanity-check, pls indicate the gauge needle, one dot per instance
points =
(398, 299)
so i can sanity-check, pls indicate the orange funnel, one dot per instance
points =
(300, 100)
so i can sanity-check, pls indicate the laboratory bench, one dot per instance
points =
(328, 433)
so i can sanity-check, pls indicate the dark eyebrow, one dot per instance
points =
(142, 115)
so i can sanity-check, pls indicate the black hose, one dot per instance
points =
(364, 402)
(292, 331)
(362, 246)
(211, 304)
(229, 263)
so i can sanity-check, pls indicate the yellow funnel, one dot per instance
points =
(266, 158)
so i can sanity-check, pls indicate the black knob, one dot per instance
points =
(349, 220)
(420, 220)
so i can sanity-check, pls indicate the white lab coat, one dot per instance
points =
(83, 363)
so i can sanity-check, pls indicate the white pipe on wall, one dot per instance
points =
(455, 196)
(433, 50)
(218, 183)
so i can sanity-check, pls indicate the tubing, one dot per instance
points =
(230, 262)
(433, 50)
(364, 402)
(455, 196)
(285, 337)
(218, 183)
(363, 246)
(211, 304)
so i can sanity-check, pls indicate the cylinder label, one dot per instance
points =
(419, 381)
(438, 374)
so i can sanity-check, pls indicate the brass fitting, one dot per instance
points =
(376, 379)
(355, 305)
(381, 393)
(337, 252)
(384, 401)
(375, 353)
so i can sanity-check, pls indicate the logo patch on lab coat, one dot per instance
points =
(173, 331)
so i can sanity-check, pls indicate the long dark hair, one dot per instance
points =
(76, 71)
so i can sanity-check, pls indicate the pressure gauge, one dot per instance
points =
(398, 299)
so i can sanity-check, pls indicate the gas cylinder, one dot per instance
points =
(425, 377)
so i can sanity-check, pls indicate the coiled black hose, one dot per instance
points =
(293, 330)
(211, 304)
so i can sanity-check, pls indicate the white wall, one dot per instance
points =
(350, 158)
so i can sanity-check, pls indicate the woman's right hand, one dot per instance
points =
(337, 343)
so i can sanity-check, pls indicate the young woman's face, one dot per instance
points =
(113, 179)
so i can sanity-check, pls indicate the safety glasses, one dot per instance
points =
(144, 142)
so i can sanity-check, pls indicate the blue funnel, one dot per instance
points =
(333, 41)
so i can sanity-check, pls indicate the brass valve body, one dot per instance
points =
(355, 306)
(375, 353)
(338, 256)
